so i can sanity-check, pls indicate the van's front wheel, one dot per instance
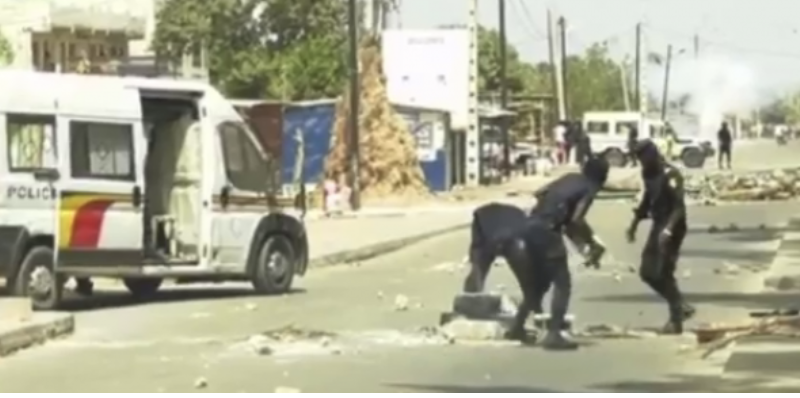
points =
(275, 266)
(36, 279)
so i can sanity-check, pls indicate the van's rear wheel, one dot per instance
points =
(36, 279)
(693, 158)
(615, 157)
(275, 266)
(142, 287)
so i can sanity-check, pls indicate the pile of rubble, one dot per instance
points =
(778, 184)
(714, 337)
(739, 186)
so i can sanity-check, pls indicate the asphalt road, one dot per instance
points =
(197, 338)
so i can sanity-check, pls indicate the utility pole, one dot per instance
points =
(623, 76)
(665, 94)
(638, 67)
(473, 142)
(697, 46)
(501, 7)
(555, 68)
(354, 157)
(562, 26)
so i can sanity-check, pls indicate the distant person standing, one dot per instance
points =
(725, 145)
(583, 145)
(560, 134)
(569, 141)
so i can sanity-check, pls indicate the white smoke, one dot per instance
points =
(717, 86)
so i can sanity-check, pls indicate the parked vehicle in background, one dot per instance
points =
(609, 134)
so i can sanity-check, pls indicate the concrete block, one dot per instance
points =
(475, 330)
(42, 326)
(16, 309)
(478, 305)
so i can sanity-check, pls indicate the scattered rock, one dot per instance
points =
(478, 305)
(713, 229)
(200, 383)
(468, 329)
(401, 303)
(260, 344)
(686, 274)
(617, 277)
(380, 294)
(732, 228)
(250, 306)
(607, 331)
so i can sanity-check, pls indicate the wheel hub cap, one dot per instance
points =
(41, 282)
(278, 264)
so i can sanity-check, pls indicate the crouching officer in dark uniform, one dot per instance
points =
(534, 248)
(663, 202)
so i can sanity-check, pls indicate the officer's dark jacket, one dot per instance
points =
(566, 199)
(663, 198)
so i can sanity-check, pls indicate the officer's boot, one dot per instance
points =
(555, 340)
(84, 286)
(678, 314)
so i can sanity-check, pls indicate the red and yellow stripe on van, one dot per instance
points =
(81, 218)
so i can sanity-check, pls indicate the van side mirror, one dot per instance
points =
(46, 175)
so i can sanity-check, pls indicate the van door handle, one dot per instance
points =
(136, 197)
(225, 197)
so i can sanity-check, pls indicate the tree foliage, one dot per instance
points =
(6, 51)
(297, 49)
(292, 49)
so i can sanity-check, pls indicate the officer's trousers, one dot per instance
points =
(659, 263)
(535, 253)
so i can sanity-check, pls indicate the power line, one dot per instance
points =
(730, 46)
(528, 21)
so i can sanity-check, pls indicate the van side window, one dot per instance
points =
(31, 142)
(102, 151)
(597, 127)
(244, 165)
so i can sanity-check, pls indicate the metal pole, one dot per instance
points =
(558, 86)
(355, 94)
(562, 25)
(666, 84)
(638, 67)
(472, 148)
(501, 5)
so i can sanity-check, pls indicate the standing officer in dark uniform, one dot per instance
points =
(633, 138)
(663, 202)
(583, 143)
(725, 145)
(534, 248)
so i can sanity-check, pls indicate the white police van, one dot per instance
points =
(608, 132)
(136, 179)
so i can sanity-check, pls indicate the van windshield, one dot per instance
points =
(246, 163)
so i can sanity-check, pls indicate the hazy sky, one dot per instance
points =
(759, 39)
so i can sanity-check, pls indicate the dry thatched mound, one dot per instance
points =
(389, 165)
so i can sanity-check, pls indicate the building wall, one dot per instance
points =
(26, 25)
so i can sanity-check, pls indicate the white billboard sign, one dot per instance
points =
(429, 68)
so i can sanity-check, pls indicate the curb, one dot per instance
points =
(784, 270)
(381, 248)
(43, 327)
